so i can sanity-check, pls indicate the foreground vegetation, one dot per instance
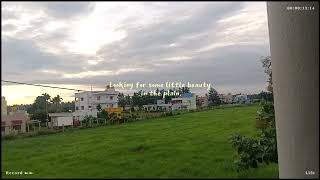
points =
(192, 145)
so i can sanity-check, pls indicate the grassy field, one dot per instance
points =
(192, 145)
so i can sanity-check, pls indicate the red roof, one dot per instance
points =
(15, 118)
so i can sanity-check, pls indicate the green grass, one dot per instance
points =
(193, 145)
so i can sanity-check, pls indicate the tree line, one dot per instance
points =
(138, 99)
(45, 104)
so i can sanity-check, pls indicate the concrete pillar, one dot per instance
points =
(294, 45)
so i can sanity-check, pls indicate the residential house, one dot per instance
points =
(176, 104)
(241, 99)
(161, 105)
(227, 99)
(86, 102)
(14, 123)
(60, 119)
(187, 101)
(202, 102)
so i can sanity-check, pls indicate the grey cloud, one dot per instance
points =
(60, 10)
(144, 47)
(68, 9)
(8, 27)
(5, 14)
(22, 57)
(241, 68)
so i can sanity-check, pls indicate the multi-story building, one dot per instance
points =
(4, 110)
(187, 100)
(161, 105)
(86, 102)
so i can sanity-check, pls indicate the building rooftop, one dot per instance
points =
(187, 95)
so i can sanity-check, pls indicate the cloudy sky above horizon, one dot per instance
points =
(74, 44)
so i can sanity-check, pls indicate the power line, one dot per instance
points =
(30, 84)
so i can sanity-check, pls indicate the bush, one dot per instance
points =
(262, 149)
(248, 150)
(9, 137)
(169, 113)
(87, 120)
(101, 120)
(46, 132)
(83, 127)
(252, 151)
(31, 134)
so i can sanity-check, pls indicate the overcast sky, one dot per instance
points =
(74, 44)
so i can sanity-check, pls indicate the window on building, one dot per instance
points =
(16, 127)
(111, 97)
(81, 99)
(89, 107)
(98, 98)
(82, 107)
(77, 108)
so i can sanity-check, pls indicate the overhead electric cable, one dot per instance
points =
(30, 84)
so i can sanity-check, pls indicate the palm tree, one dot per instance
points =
(56, 100)
(47, 98)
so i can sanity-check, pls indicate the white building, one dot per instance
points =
(228, 98)
(4, 110)
(86, 102)
(161, 105)
(61, 119)
(187, 101)
(241, 99)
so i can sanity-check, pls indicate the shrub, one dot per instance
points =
(101, 120)
(262, 149)
(248, 150)
(87, 120)
(46, 132)
(9, 137)
(31, 134)
(83, 127)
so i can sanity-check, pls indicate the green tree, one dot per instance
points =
(47, 98)
(262, 149)
(214, 99)
(68, 106)
(57, 102)
(137, 99)
(128, 100)
(121, 100)
(184, 90)
(104, 114)
(99, 108)
(39, 109)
